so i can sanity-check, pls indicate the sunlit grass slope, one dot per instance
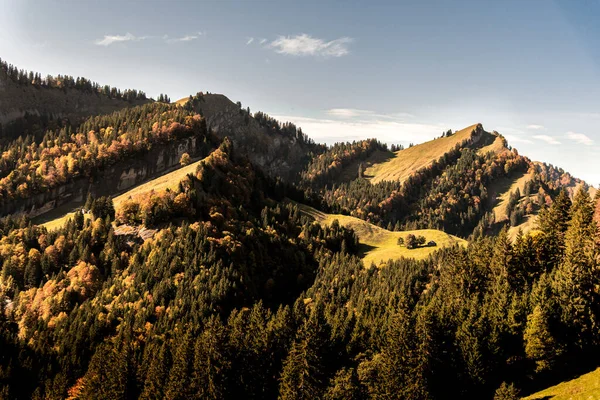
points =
(585, 387)
(380, 245)
(405, 162)
(167, 181)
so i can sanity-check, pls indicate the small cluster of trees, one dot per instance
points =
(163, 98)
(412, 241)
(396, 147)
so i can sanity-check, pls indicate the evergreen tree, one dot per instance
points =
(576, 279)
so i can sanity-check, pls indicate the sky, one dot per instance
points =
(401, 71)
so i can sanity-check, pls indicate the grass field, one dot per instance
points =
(170, 180)
(585, 387)
(380, 245)
(163, 182)
(405, 162)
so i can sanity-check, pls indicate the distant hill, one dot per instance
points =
(468, 182)
(405, 162)
(27, 99)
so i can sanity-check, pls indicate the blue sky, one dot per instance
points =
(398, 71)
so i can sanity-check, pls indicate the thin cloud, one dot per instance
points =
(516, 139)
(580, 138)
(262, 41)
(250, 40)
(547, 139)
(348, 113)
(306, 45)
(107, 40)
(334, 130)
(536, 127)
(186, 38)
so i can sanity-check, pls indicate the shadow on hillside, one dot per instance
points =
(486, 140)
(363, 249)
(501, 186)
(377, 157)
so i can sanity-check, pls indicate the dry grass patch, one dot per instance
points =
(405, 162)
(585, 387)
(380, 245)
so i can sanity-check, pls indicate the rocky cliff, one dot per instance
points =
(278, 155)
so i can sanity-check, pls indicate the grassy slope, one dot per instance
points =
(496, 146)
(170, 181)
(501, 192)
(584, 387)
(405, 162)
(380, 245)
(163, 182)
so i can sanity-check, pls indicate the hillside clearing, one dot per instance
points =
(167, 181)
(163, 182)
(380, 245)
(404, 162)
(500, 192)
(584, 387)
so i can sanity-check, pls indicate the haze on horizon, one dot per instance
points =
(400, 72)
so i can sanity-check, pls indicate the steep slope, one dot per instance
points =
(169, 180)
(25, 96)
(585, 387)
(407, 161)
(378, 245)
(281, 150)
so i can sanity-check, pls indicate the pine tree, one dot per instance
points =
(576, 279)
(540, 345)
(157, 374)
(553, 222)
(211, 366)
(178, 384)
(303, 370)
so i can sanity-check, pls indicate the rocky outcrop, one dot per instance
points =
(275, 154)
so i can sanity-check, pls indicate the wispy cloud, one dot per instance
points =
(107, 40)
(547, 139)
(516, 139)
(536, 127)
(262, 41)
(306, 45)
(580, 138)
(348, 113)
(186, 38)
(249, 40)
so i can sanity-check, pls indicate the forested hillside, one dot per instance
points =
(263, 265)
(31, 103)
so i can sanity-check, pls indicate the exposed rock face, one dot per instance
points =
(276, 154)
(115, 178)
(17, 100)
